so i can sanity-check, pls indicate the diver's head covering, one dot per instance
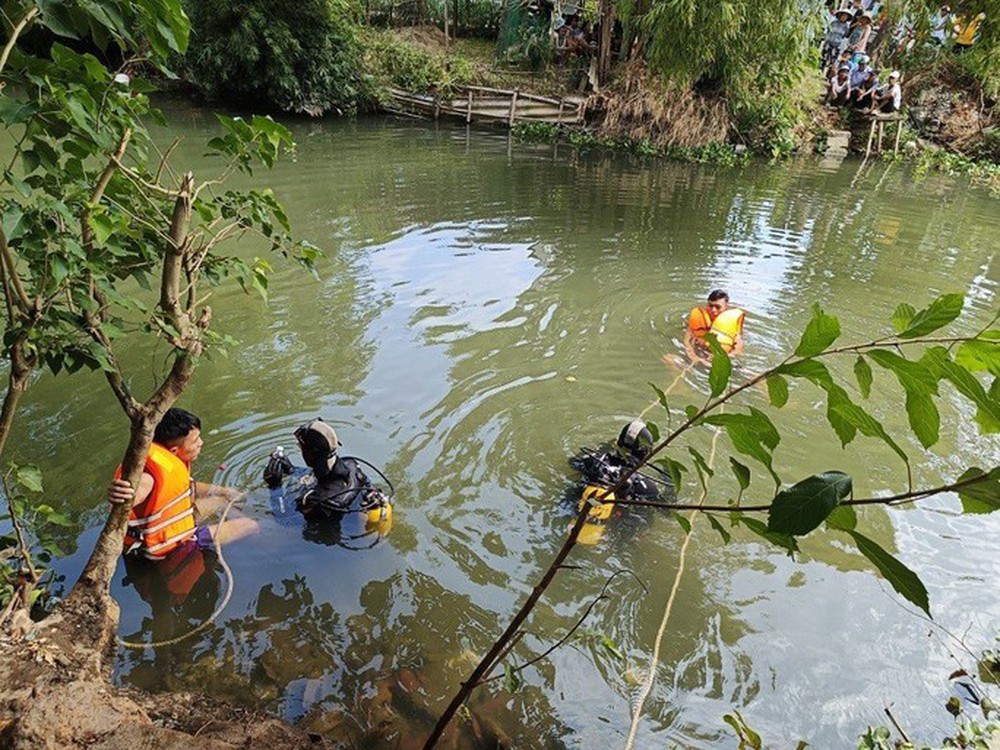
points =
(319, 444)
(636, 439)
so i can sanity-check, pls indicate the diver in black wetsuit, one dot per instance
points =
(606, 466)
(339, 485)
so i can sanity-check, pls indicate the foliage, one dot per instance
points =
(23, 487)
(88, 200)
(524, 39)
(297, 56)
(391, 61)
(754, 53)
(938, 160)
(721, 154)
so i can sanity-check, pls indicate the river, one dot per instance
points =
(486, 308)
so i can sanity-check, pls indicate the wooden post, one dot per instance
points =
(444, 6)
(607, 25)
(561, 103)
(871, 137)
(468, 108)
(881, 132)
(899, 132)
(513, 109)
(437, 106)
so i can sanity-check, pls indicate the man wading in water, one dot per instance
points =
(715, 317)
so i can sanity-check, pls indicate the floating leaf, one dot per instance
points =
(806, 504)
(29, 477)
(937, 315)
(821, 331)
(777, 390)
(608, 644)
(863, 372)
(902, 579)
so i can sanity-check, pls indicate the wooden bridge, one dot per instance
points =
(482, 104)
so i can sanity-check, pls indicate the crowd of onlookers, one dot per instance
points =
(855, 31)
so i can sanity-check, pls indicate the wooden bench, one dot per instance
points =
(878, 121)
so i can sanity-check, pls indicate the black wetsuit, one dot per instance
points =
(606, 466)
(342, 489)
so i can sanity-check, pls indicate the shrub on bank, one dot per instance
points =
(392, 61)
(301, 56)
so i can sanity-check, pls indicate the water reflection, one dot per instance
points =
(482, 316)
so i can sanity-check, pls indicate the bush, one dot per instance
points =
(391, 61)
(299, 56)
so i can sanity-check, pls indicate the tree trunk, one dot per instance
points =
(21, 368)
(607, 31)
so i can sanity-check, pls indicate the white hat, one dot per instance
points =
(894, 74)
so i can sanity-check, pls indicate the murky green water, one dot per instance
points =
(485, 311)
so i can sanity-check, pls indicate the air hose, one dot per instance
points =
(222, 604)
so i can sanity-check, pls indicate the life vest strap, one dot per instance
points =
(164, 524)
(151, 551)
(154, 516)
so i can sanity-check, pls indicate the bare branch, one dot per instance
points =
(19, 27)
(7, 257)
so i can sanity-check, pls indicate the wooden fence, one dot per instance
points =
(482, 104)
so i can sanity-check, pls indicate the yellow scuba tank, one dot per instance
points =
(379, 519)
(602, 504)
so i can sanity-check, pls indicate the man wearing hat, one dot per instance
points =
(836, 35)
(860, 73)
(889, 98)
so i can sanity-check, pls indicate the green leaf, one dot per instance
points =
(842, 518)
(684, 523)
(821, 331)
(741, 472)
(102, 226)
(925, 421)
(777, 390)
(988, 406)
(902, 579)
(29, 477)
(702, 467)
(722, 367)
(981, 497)
(805, 505)
(785, 541)
(654, 433)
(608, 644)
(937, 315)
(661, 397)
(980, 355)
(674, 468)
(512, 680)
(902, 316)
(726, 536)
(843, 411)
(808, 369)
(863, 372)
(752, 435)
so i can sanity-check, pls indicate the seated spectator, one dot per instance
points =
(863, 96)
(889, 98)
(859, 74)
(838, 88)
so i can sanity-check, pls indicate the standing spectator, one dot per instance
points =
(941, 24)
(860, 35)
(838, 88)
(836, 35)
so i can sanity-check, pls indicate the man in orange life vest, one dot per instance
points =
(162, 520)
(719, 318)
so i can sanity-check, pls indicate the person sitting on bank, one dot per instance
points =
(863, 97)
(337, 484)
(838, 89)
(718, 318)
(889, 98)
(167, 500)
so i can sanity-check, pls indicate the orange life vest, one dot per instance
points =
(165, 519)
(726, 326)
